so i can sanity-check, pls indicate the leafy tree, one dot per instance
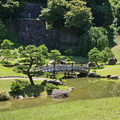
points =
(106, 54)
(6, 54)
(54, 13)
(94, 56)
(78, 16)
(7, 8)
(55, 55)
(94, 37)
(3, 31)
(102, 12)
(6, 44)
(30, 57)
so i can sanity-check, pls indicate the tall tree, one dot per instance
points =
(7, 8)
(6, 44)
(106, 54)
(30, 57)
(78, 16)
(94, 56)
(3, 31)
(94, 37)
(55, 55)
(54, 13)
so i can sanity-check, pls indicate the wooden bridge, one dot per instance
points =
(63, 67)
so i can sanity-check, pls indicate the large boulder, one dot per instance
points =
(91, 74)
(4, 96)
(53, 81)
(112, 61)
(19, 97)
(91, 64)
(59, 94)
(114, 77)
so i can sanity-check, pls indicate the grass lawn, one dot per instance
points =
(110, 70)
(116, 51)
(95, 109)
(92, 109)
(4, 71)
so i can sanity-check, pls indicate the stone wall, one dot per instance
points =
(34, 32)
(32, 10)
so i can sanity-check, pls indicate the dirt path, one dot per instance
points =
(23, 78)
(108, 68)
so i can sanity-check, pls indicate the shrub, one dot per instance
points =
(33, 90)
(50, 86)
(18, 85)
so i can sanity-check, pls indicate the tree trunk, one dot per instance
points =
(97, 64)
(30, 78)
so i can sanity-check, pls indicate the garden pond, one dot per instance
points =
(85, 88)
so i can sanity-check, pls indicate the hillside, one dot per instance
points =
(116, 48)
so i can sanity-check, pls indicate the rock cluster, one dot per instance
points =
(92, 74)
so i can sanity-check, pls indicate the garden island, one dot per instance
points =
(59, 59)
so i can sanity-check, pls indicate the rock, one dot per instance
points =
(53, 81)
(114, 77)
(19, 97)
(4, 96)
(103, 76)
(72, 88)
(92, 74)
(91, 64)
(112, 61)
(108, 76)
(59, 94)
(16, 64)
(98, 76)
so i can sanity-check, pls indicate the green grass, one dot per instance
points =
(4, 71)
(116, 51)
(110, 70)
(94, 109)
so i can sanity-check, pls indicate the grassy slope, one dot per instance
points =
(4, 71)
(113, 70)
(116, 51)
(97, 109)
(116, 48)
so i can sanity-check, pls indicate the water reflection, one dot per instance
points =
(86, 88)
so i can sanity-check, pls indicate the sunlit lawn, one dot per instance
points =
(110, 70)
(94, 109)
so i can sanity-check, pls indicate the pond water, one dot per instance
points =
(85, 88)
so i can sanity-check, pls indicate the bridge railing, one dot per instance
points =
(62, 67)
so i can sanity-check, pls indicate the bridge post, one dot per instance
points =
(72, 67)
(54, 72)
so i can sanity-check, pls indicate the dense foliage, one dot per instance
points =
(8, 8)
(96, 22)
(78, 16)
(54, 13)
(96, 56)
(94, 37)
(31, 56)
(3, 31)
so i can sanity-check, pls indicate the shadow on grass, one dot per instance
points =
(29, 91)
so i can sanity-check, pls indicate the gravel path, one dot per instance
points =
(108, 68)
(22, 78)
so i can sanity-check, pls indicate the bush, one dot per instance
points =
(18, 85)
(61, 79)
(33, 90)
(50, 86)
(4, 96)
